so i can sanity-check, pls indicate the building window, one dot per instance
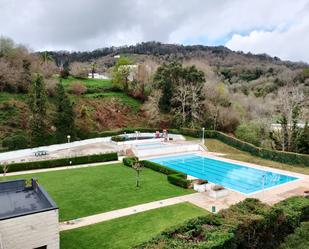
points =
(41, 247)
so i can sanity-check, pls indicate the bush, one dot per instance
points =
(158, 167)
(248, 133)
(128, 161)
(179, 180)
(248, 224)
(118, 138)
(299, 239)
(15, 142)
(77, 88)
(62, 162)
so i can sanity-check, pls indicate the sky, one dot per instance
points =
(276, 27)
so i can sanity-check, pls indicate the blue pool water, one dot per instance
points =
(237, 177)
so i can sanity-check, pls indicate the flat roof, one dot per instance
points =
(19, 199)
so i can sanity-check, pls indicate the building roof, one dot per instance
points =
(18, 199)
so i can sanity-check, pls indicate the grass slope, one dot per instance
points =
(87, 191)
(91, 83)
(129, 231)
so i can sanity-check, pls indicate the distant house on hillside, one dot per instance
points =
(98, 76)
(117, 56)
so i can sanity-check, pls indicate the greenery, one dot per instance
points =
(64, 120)
(158, 167)
(15, 142)
(248, 133)
(247, 224)
(179, 180)
(63, 162)
(129, 161)
(37, 105)
(118, 138)
(128, 231)
(86, 191)
(93, 85)
(299, 239)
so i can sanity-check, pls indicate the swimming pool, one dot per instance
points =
(234, 176)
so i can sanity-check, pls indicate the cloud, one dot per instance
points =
(87, 25)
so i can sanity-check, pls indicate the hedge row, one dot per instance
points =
(128, 161)
(248, 224)
(61, 162)
(299, 239)
(179, 180)
(159, 168)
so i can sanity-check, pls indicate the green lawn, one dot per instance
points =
(86, 191)
(92, 83)
(215, 145)
(129, 231)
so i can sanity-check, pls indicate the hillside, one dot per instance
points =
(237, 93)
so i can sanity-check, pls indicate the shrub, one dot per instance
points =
(179, 180)
(299, 239)
(63, 162)
(77, 88)
(118, 138)
(128, 161)
(247, 224)
(15, 142)
(248, 133)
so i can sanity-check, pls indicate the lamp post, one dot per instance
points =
(68, 137)
(203, 138)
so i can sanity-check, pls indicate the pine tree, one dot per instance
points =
(37, 105)
(64, 120)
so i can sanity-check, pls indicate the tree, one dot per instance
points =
(93, 69)
(138, 168)
(37, 106)
(26, 77)
(5, 168)
(302, 140)
(64, 121)
(121, 73)
(79, 70)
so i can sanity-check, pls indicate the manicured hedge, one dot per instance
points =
(62, 162)
(158, 167)
(179, 180)
(248, 224)
(128, 161)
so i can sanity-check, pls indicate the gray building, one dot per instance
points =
(28, 216)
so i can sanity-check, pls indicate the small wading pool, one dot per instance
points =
(234, 176)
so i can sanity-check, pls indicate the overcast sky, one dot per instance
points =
(277, 27)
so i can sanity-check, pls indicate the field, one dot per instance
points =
(87, 191)
(89, 83)
(129, 231)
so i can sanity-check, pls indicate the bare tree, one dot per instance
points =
(138, 168)
(5, 167)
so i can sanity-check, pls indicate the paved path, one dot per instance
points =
(60, 168)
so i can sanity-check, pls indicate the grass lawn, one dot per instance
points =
(129, 231)
(89, 83)
(86, 191)
(215, 145)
